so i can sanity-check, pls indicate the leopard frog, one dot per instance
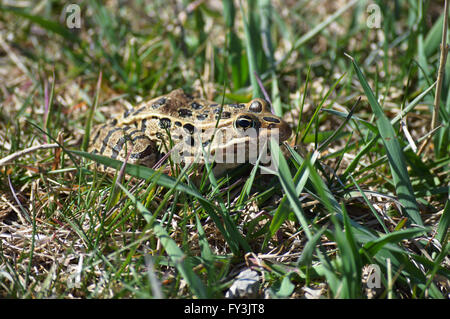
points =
(190, 128)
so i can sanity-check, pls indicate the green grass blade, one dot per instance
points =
(436, 267)
(234, 46)
(300, 180)
(413, 104)
(307, 252)
(49, 102)
(373, 247)
(433, 38)
(287, 183)
(251, 33)
(394, 152)
(180, 260)
(206, 252)
(266, 10)
(369, 204)
(350, 282)
(319, 107)
(87, 128)
(444, 223)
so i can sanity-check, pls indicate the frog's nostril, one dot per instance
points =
(271, 119)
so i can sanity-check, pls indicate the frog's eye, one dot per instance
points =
(255, 107)
(244, 122)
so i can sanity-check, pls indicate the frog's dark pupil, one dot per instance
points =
(244, 122)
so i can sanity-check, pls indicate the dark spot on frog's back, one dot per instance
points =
(224, 115)
(165, 123)
(159, 102)
(189, 128)
(139, 110)
(143, 125)
(184, 113)
(126, 113)
(196, 106)
(202, 117)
